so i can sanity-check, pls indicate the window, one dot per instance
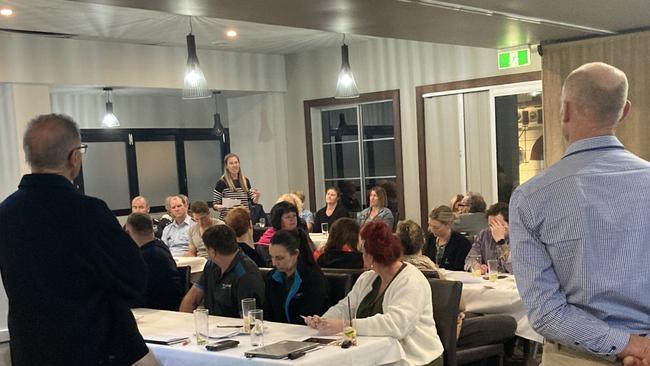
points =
(355, 147)
(155, 163)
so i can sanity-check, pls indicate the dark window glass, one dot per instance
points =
(379, 158)
(377, 120)
(341, 160)
(340, 125)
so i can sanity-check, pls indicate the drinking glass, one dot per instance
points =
(247, 305)
(475, 265)
(262, 222)
(257, 327)
(493, 269)
(324, 228)
(201, 325)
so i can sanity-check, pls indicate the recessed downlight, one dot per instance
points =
(6, 12)
(231, 33)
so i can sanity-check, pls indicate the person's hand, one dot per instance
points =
(256, 195)
(637, 352)
(219, 207)
(330, 326)
(498, 227)
(312, 321)
(484, 269)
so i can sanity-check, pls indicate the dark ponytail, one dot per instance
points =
(295, 240)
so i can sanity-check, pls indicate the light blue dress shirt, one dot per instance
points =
(580, 237)
(177, 237)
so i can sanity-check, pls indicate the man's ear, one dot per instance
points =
(626, 110)
(566, 109)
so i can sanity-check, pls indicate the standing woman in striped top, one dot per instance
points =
(234, 185)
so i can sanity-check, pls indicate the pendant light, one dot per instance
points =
(217, 128)
(194, 84)
(346, 87)
(109, 119)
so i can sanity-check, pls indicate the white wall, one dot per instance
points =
(138, 111)
(382, 64)
(258, 135)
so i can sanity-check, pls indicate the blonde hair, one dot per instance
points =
(443, 214)
(300, 195)
(292, 199)
(411, 236)
(240, 176)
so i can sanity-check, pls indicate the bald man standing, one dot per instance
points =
(580, 233)
(69, 270)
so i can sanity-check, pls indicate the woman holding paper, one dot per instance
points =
(233, 189)
(391, 299)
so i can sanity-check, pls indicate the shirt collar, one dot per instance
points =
(52, 180)
(188, 221)
(593, 143)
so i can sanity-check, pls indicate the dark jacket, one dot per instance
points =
(164, 287)
(455, 251)
(70, 273)
(304, 294)
(340, 259)
(321, 217)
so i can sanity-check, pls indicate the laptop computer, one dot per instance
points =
(281, 349)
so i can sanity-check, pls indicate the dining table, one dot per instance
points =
(160, 324)
(494, 297)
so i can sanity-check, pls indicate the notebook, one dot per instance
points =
(280, 349)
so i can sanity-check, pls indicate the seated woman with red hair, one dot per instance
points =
(392, 299)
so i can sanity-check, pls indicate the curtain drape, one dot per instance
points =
(630, 53)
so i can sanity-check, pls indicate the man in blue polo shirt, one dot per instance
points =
(176, 234)
(228, 277)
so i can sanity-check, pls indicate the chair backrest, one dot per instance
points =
(355, 272)
(186, 273)
(431, 274)
(265, 271)
(263, 251)
(445, 296)
(339, 286)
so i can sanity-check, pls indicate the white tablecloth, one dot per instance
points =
(500, 297)
(318, 239)
(369, 351)
(197, 263)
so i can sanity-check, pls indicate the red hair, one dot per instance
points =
(379, 242)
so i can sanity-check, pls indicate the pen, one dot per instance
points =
(185, 342)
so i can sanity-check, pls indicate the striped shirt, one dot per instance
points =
(221, 191)
(581, 247)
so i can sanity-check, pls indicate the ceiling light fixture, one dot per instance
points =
(6, 12)
(217, 128)
(346, 86)
(231, 33)
(109, 120)
(194, 84)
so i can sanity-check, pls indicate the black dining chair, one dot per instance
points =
(186, 273)
(339, 286)
(446, 301)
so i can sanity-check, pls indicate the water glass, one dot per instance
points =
(475, 265)
(201, 326)
(493, 269)
(262, 222)
(257, 327)
(324, 228)
(247, 305)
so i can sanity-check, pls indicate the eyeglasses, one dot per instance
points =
(82, 149)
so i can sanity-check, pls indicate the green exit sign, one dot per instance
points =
(514, 58)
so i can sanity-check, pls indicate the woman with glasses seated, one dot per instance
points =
(392, 299)
(296, 285)
(446, 247)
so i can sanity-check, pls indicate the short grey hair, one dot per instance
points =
(49, 139)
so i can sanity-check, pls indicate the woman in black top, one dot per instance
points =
(234, 185)
(341, 250)
(446, 247)
(332, 210)
(296, 286)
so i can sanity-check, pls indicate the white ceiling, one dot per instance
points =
(291, 26)
(121, 24)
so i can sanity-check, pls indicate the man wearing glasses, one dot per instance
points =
(70, 272)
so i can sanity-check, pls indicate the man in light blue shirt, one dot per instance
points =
(176, 235)
(580, 233)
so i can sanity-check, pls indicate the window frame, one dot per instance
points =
(329, 103)
(131, 135)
